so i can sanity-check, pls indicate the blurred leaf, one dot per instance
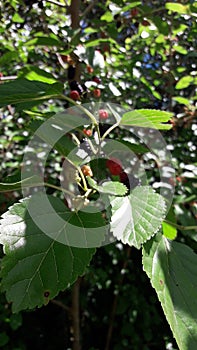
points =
(182, 9)
(46, 41)
(108, 17)
(171, 267)
(180, 49)
(149, 118)
(37, 74)
(184, 82)
(182, 100)
(24, 92)
(7, 57)
(17, 18)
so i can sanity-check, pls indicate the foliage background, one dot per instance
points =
(145, 54)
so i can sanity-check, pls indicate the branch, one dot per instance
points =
(115, 302)
(181, 227)
(89, 8)
(57, 3)
(62, 305)
(76, 315)
(12, 77)
(74, 11)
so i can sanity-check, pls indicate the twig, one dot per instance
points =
(56, 3)
(12, 77)
(181, 227)
(115, 302)
(88, 9)
(62, 305)
(76, 315)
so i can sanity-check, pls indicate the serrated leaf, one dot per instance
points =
(137, 217)
(109, 187)
(36, 266)
(147, 118)
(24, 92)
(171, 267)
(184, 82)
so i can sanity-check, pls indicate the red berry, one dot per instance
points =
(103, 114)
(87, 132)
(123, 177)
(114, 165)
(96, 80)
(145, 23)
(74, 95)
(90, 69)
(134, 12)
(97, 93)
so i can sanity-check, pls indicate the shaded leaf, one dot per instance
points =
(171, 267)
(35, 263)
(22, 91)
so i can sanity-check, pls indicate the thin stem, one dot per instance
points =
(56, 3)
(89, 8)
(85, 187)
(89, 114)
(56, 188)
(109, 130)
(181, 227)
(62, 305)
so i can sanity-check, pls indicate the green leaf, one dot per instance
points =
(149, 118)
(171, 267)
(184, 82)
(7, 57)
(137, 217)
(96, 42)
(35, 73)
(134, 147)
(162, 26)
(108, 17)
(109, 187)
(24, 92)
(182, 9)
(17, 18)
(42, 40)
(32, 181)
(180, 49)
(181, 100)
(36, 267)
(169, 231)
